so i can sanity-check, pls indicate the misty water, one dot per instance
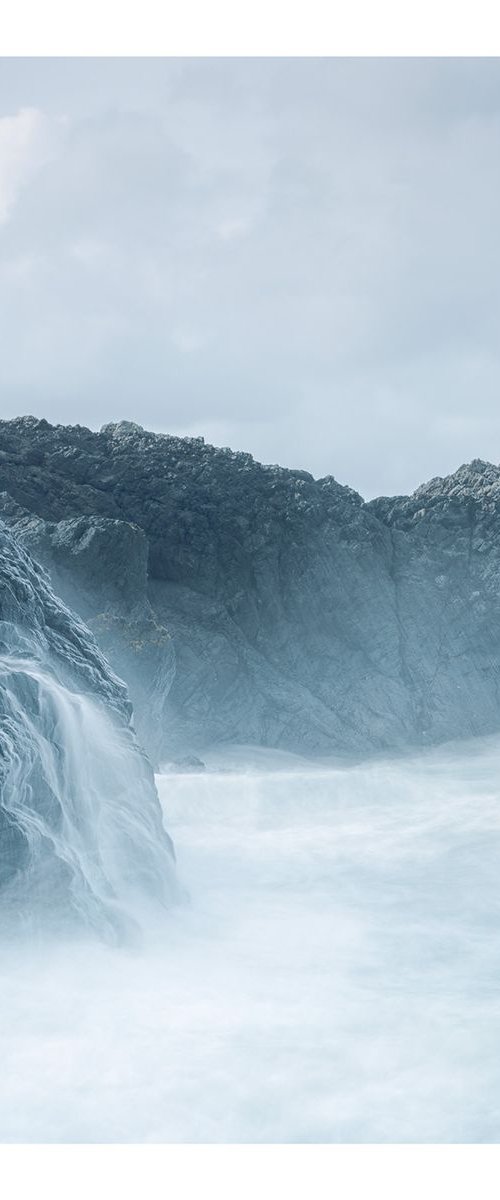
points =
(75, 784)
(332, 974)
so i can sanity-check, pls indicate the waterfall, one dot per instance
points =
(81, 836)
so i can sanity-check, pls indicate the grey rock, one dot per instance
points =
(190, 764)
(274, 608)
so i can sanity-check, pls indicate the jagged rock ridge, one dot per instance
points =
(252, 603)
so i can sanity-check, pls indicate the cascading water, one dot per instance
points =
(81, 833)
(85, 840)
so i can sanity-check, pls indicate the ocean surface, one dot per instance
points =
(332, 974)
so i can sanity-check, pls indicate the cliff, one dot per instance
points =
(251, 603)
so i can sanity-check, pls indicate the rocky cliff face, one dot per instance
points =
(256, 604)
(81, 835)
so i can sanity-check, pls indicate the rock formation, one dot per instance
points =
(251, 603)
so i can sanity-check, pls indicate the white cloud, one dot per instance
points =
(89, 252)
(234, 227)
(188, 340)
(28, 141)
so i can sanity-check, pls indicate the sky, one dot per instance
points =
(295, 257)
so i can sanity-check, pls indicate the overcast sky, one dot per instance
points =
(300, 258)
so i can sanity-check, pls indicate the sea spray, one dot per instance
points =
(333, 979)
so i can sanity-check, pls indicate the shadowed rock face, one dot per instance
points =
(251, 603)
(80, 823)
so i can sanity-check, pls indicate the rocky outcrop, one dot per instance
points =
(81, 834)
(251, 603)
(99, 567)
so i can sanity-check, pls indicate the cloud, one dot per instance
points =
(28, 141)
(233, 227)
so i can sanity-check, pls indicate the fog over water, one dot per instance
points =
(333, 976)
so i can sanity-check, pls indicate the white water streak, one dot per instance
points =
(81, 794)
